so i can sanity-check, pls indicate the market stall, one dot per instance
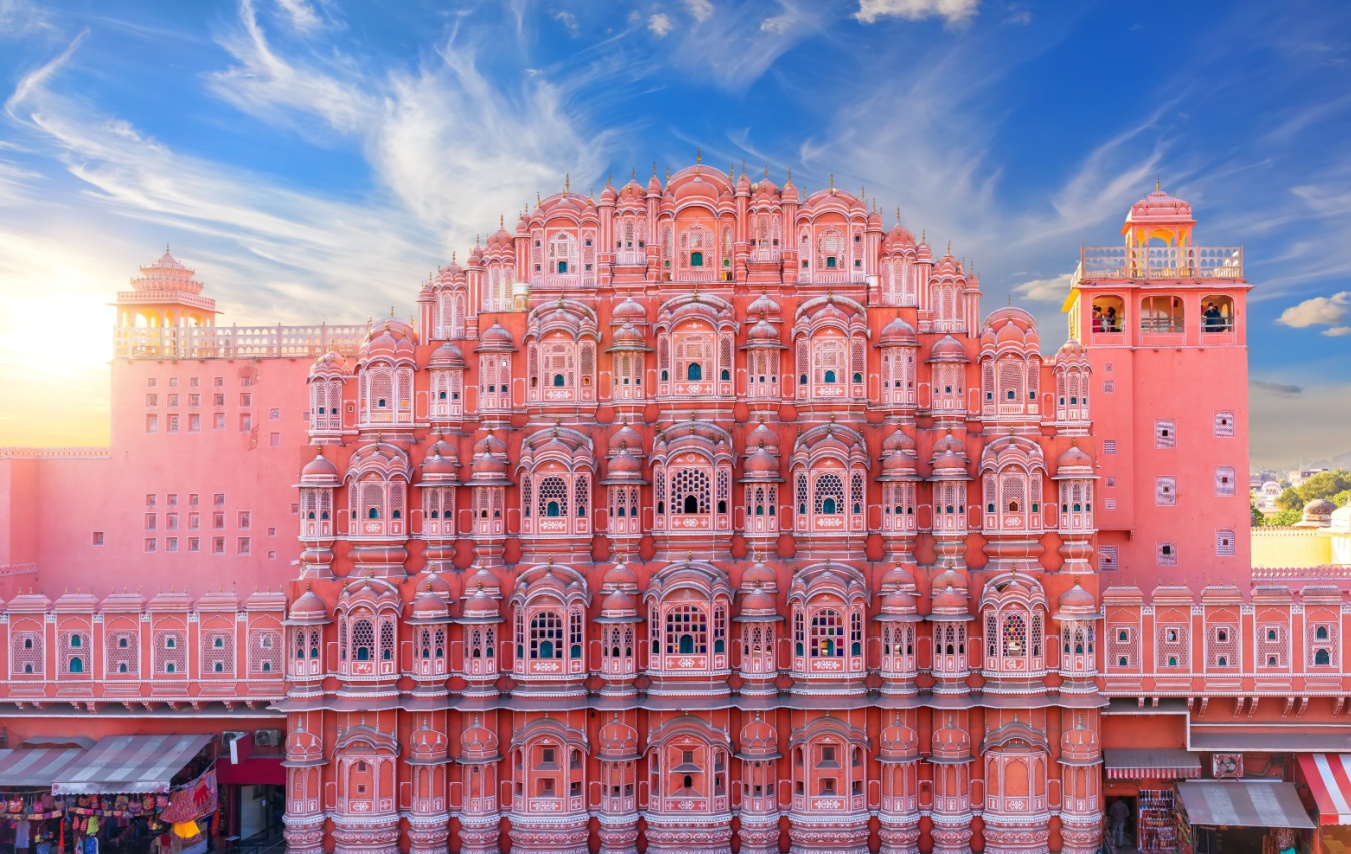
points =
(1239, 817)
(1142, 777)
(1328, 779)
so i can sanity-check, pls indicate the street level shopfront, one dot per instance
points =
(1327, 779)
(1143, 778)
(1240, 817)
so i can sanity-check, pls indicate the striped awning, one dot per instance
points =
(129, 764)
(1150, 763)
(35, 766)
(1329, 778)
(1243, 803)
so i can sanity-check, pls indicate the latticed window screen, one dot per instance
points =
(75, 656)
(582, 488)
(122, 657)
(546, 635)
(265, 651)
(696, 239)
(1165, 491)
(558, 364)
(588, 250)
(1224, 481)
(1222, 646)
(828, 364)
(828, 496)
(386, 639)
(803, 361)
(694, 350)
(827, 634)
(686, 630)
(363, 640)
(830, 250)
(1225, 543)
(724, 489)
(1165, 554)
(1165, 433)
(686, 483)
(857, 360)
(170, 653)
(725, 357)
(1323, 644)
(1013, 635)
(218, 652)
(553, 497)
(575, 633)
(562, 253)
(856, 493)
(1173, 647)
(1224, 425)
(1107, 558)
(1272, 645)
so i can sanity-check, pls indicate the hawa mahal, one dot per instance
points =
(704, 515)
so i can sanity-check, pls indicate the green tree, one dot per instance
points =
(1257, 518)
(1282, 518)
(1341, 498)
(1325, 484)
(1290, 499)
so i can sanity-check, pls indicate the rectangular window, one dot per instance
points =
(220, 421)
(171, 521)
(245, 422)
(1224, 425)
(194, 381)
(150, 543)
(150, 521)
(151, 424)
(245, 398)
(218, 382)
(150, 499)
(1109, 447)
(218, 399)
(1224, 543)
(218, 521)
(244, 519)
(173, 400)
(194, 521)
(218, 499)
(1108, 386)
(194, 400)
(271, 555)
(272, 532)
(295, 509)
(1107, 556)
(244, 546)
(1224, 481)
(275, 440)
(1164, 433)
(171, 499)
(171, 544)
(1107, 368)
(1109, 504)
(173, 423)
(274, 414)
(194, 544)
(246, 381)
(193, 499)
(152, 400)
(218, 545)
(98, 538)
(173, 382)
(194, 423)
(1165, 491)
(151, 382)
(1111, 483)
(1165, 554)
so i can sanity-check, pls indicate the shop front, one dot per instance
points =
(1241, 817)
(1327, 779)
(1138, 795)
(120, 794)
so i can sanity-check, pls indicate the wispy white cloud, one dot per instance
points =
(569, 22)
(702, 10)
(660, 25)
(1331, 311)
(1054, 289)
(301, 16)
(22, 18)
(953, 12)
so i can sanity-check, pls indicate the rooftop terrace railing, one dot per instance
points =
(236, 342)
(1145, 263)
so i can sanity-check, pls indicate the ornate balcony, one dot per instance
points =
(1148, 263)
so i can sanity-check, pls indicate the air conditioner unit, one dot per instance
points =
(267, 737)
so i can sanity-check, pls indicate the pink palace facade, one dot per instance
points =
(702, 516)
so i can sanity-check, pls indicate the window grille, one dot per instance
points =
(173, 400)
(245, 546)
(27, 656)
(218, 652)
(386, 639)
(582, 489)
(1222, 646)
(690, 491)
(827, 634)
(246, 399)
(1109, 448)
(152, 424)
(686, 630)
(151, 382)
(1224, 425)
(1173, 647)
(1109, 503)
(552, 500)
(194, 400)
(1272, 645)
(218, 545)
(1165, 554)
(218, 499)
(122, 658)
(170, 651)
(265, 650)
(194, 544)
(1323, 645)
(74, 658)
(152, 400)
(1107, 558)
(1224, 481)
(219, 422)
(1013, 637)
(1165, 491)
(1108, 386)
(828, 497)
(1165, 434)
(1224, 543)
(150, 544)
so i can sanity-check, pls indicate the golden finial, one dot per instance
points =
(766, 171)
(501, 220)
(668, 174)
(949, 247)
(689, 556)
(633, 173)
(391, 311)
(898, 215)
(1157, 188)
(832, 183)
(862, 191)
(698, 155)
(923, 234)
(654, 167)
(609, 179)
(790, 176)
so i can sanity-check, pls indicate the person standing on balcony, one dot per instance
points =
(1214, 319)
(1110, 322)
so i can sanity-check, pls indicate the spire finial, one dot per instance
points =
(567, 181)
(923, 234)
(790, 175)
(949, 247)
(898, 216)
(391, 311)
(501, 220)
(1157, 188)
(766, 171)
(832, 183)
(698, 155)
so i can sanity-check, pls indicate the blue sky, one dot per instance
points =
(315, 159)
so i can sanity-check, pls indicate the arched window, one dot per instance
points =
(562, 253)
